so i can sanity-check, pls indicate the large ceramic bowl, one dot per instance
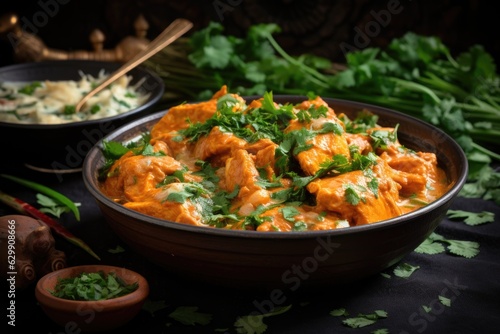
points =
(62, 147)
(285, 259)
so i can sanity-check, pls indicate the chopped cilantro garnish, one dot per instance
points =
(384, 138)
(69, 109)
(351, 195)
(121, 102)
(188, 190)
(92, 286)
(95, 109)
(30, 88)
(289, 212)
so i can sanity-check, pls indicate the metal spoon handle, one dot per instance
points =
(175, 30)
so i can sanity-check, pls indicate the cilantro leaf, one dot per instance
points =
(426, 308)
(154, 306)
(211, 48)
(57, 197)
(339, 312)
(472, 218)
(467, 249)
(118, 249)
(482, 182)
(49, 206)
(30, 88)
(189, 315)
(434, 245)
(404, 270)
(381, 331)
(358, 322)
(289, 212)
(445, 301)
(363, 320)
(254, 323)
(428, 246)
(351, 195)
(250, 324)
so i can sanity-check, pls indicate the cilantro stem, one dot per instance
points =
(436, 82)
(485, 106)
(317, 77)
(478, 110)
(418, 87)
(485, 150)
(47, 191)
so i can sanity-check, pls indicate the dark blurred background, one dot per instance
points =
(320, 27)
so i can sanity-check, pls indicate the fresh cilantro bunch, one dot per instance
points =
(253, 64)
(417, 75)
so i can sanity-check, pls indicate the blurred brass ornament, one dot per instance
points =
(27, 47)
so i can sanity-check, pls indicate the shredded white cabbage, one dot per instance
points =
(53, 102)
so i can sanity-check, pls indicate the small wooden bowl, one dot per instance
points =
(91, 315)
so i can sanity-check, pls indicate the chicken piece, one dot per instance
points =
(317, 101)
(279, 220)
(240, 171)
(261, 144)
(417, 173)
(177, 117)
(331, 195)
(361, 141)
(264, 151)
(266, 160)
(176, 147)
(132, 176)
(323, 146)
(217, 143)
(186, 213)
(285, 218)
(256, 104)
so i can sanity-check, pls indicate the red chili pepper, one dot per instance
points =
(26, 208)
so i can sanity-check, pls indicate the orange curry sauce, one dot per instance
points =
(399, 181)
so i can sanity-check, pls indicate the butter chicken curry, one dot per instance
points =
(266, 166)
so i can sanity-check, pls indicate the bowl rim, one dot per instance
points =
(70, 64)
(125, 301)
(141, 218)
